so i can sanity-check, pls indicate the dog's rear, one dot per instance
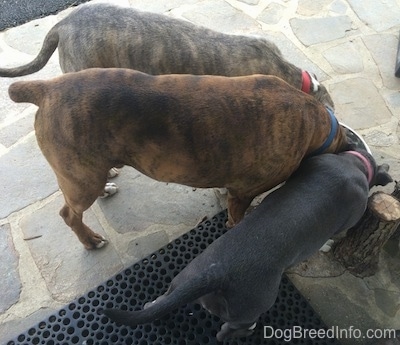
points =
(178, 294)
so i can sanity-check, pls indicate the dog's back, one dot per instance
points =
(251, 118)
(104, 35)
(191, 48)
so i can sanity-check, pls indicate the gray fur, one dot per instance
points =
(237, 277)
(104, 35)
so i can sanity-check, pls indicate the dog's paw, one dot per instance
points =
(113, 172)
(327, 246)
(102, 243)
(95, 242)
(109, 189)
(229, 224)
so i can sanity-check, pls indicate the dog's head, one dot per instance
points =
(378, 175)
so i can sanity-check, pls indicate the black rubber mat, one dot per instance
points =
(17, 12)
(81, 322)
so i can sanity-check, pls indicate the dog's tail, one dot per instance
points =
(185, 293)
(49, 46)
(27, 91)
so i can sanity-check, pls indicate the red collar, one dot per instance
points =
(305, 82)
(308, 83)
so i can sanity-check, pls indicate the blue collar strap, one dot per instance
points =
(331, 136)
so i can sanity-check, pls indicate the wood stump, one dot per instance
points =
(359, 250)
(396, 194)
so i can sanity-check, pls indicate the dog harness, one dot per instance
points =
(331, 136)
(367, 163)
(308, 82)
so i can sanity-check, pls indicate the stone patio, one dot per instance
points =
(350, 45)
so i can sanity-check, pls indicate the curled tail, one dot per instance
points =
(27, 91)
(49, 46)
(185, 293)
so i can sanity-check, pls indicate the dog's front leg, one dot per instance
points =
(89, 238)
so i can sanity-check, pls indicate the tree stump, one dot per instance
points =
(359, 250)
(396, 194)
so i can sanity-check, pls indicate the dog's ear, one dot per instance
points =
(382, 177)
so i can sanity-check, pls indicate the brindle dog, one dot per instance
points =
(247, 134)
(103, 35)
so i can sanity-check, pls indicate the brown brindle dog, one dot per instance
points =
(247, 134)
(105, 35)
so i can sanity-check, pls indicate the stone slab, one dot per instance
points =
(24, 42)
(142, 202)
(8, 109)
(393, 101)
(338, 6)
(320, 30)
(12, 329)
(250, 2)
(25, 177)
(66, 266)
(363, 303)
(10, 135)
(388, 301)
(345, 58)
(359, 104)
(337, 303)
(310, 7)
(378, 14)
(28, 38)
(221, 16)
(9, 277)
(381, 47)
(272, 14)
(380, 138)
(149, 243)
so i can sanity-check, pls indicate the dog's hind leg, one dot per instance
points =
(237, 206)
(111, 188)
(78, 198)
(236, 330)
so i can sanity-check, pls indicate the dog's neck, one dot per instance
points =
(331, 136)
(366, 162)
(308, 83)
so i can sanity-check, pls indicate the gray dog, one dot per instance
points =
(237, 277)
(103, 35)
